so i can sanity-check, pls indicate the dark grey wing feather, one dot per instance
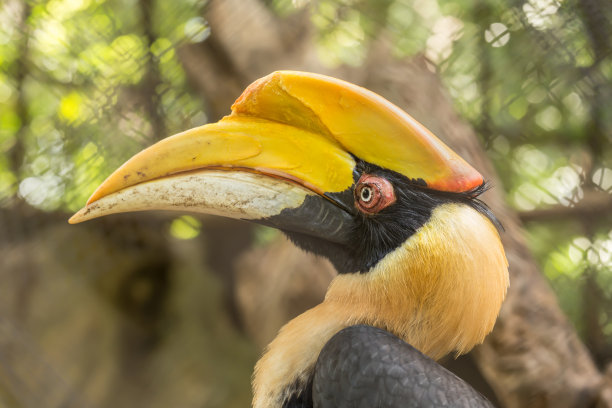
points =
(365, 367)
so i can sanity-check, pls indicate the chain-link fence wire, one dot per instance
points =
(84, 84)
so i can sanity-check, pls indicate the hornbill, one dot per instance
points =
(349, 176)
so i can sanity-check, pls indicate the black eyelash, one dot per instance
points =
(470, 198)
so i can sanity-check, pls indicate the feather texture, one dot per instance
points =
(365, 367)
(440, 291)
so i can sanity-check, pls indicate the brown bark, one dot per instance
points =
(533, 358)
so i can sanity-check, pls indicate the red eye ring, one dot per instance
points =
(373, 193)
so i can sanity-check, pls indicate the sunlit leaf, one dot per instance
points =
(70, 107)
(185, 227)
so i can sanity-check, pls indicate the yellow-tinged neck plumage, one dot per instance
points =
(440, 291)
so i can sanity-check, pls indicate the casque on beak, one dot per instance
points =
(290, 141)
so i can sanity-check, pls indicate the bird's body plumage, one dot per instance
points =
(365, 367)
(440, 292)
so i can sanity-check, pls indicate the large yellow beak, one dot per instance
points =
(290, 136)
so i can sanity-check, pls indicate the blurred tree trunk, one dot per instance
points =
(112, 313)
(533, 358)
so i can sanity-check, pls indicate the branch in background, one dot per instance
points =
(250, 38)
(152, 80)
(597, 26)
(223, 65)
(16, 153)
(593, 300)
(213, 75)
(594, 17)
(594, 206)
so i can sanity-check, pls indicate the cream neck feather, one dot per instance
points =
(440, 291)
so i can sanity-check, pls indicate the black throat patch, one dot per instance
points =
(371, 237)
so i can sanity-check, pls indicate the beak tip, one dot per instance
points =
(82, 215)
(76, 218)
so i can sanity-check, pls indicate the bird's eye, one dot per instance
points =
(366, 194)
(373, 193)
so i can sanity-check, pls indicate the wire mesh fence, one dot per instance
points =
(84, 84)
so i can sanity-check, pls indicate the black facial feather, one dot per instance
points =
(374, 236)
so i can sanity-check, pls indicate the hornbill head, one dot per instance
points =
(349, 176)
